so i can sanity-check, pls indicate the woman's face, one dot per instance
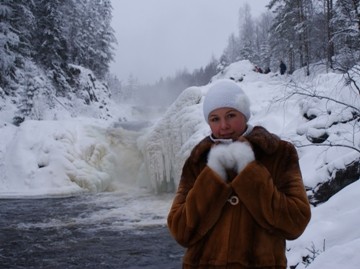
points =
(226, 123)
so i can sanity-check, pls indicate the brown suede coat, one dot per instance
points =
(273, 207)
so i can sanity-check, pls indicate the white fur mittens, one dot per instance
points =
(235, 156)
(242, 153)
(217, 158)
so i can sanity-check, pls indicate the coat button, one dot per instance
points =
(234, 200)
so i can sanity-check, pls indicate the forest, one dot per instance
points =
(46, 46)
(300, 32)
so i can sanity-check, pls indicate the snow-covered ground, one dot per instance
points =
(76, 155)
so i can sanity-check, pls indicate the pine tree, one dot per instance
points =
(262, 40)
(291, 32)
(51, 45)
(74, 11)
(232, 51)
(17, 23)
(346, 23)
(247, 35)
(51, 49)
(97, 37)
(329, 13)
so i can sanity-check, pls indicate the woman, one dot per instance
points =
(241, 193)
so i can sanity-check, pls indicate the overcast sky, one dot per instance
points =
(156, 38)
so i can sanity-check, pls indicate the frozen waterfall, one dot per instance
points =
(66, 157)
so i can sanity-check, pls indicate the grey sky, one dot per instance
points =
(156, 38)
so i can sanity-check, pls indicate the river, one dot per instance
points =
(106, 230)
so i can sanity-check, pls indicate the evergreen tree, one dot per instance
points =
(319, 35)
(105, 39)
(232, 51)
(247, 35)
(328, 16)
(41, 40)
(210, 70)
(262, 40)
(97, 37)
(346, 23)
(51, 49)
(74, 11)
(290, 32)
(282, 38)
(51, 44)
(16, 25)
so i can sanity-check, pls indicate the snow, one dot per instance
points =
(332, 231)
(73, 156)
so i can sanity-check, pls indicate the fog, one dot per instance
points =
(157, 38)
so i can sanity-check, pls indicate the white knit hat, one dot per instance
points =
(226, 93)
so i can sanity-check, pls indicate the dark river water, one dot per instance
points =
(86, 231)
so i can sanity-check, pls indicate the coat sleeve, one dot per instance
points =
(280, 207)
(197, 204)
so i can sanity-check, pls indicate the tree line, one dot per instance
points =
(300, 32)
(53, 35)
(169, 88)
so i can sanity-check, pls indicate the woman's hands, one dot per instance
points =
(242, 153)
(220, 159)
(234, 156)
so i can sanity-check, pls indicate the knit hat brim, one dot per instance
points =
(226, 93)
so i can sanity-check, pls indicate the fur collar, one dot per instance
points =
(263, 139)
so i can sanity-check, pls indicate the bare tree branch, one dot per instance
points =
(313, 94)
(329, 145)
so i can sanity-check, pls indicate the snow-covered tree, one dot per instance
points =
(16, 25)
(248, 49)
(262, 41)
(51, 46)
(231, 52)
(41, 42)
(51, 49)
(73, 30)
(291, 32)
(96, 36)
(328, 15)
(346, 24)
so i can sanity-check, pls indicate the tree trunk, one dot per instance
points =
(291, 59)
(328, 6)
(356, 4)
